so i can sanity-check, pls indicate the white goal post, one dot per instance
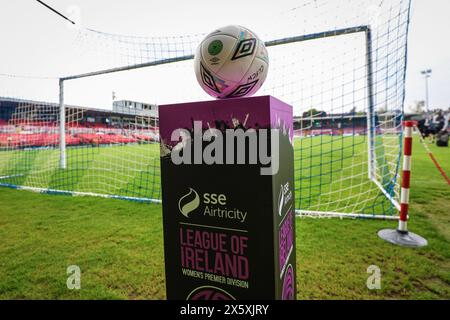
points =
(344, 76)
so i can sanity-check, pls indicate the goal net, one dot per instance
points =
(340, 64)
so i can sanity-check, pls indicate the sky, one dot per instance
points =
(429, 48)
(36, 42)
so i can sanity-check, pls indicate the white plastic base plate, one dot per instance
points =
(405, 239)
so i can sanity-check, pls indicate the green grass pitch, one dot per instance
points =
(118, 244)
(331, 172)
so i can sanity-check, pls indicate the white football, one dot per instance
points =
(231, 62)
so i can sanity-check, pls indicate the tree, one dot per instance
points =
(314, 113)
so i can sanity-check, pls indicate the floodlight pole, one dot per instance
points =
(62, 127)
(427, 75)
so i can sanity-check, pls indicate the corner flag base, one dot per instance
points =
(404, 239)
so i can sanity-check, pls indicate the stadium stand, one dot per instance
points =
(87, 127)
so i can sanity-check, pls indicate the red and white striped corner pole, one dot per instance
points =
(406, 177)
(402, 236)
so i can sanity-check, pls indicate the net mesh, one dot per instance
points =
(340, 64)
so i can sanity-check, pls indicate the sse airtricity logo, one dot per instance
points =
(189, 202)
(284, 197)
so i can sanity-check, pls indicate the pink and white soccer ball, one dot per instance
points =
(231, 62)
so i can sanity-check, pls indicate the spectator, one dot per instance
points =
(446, 121)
